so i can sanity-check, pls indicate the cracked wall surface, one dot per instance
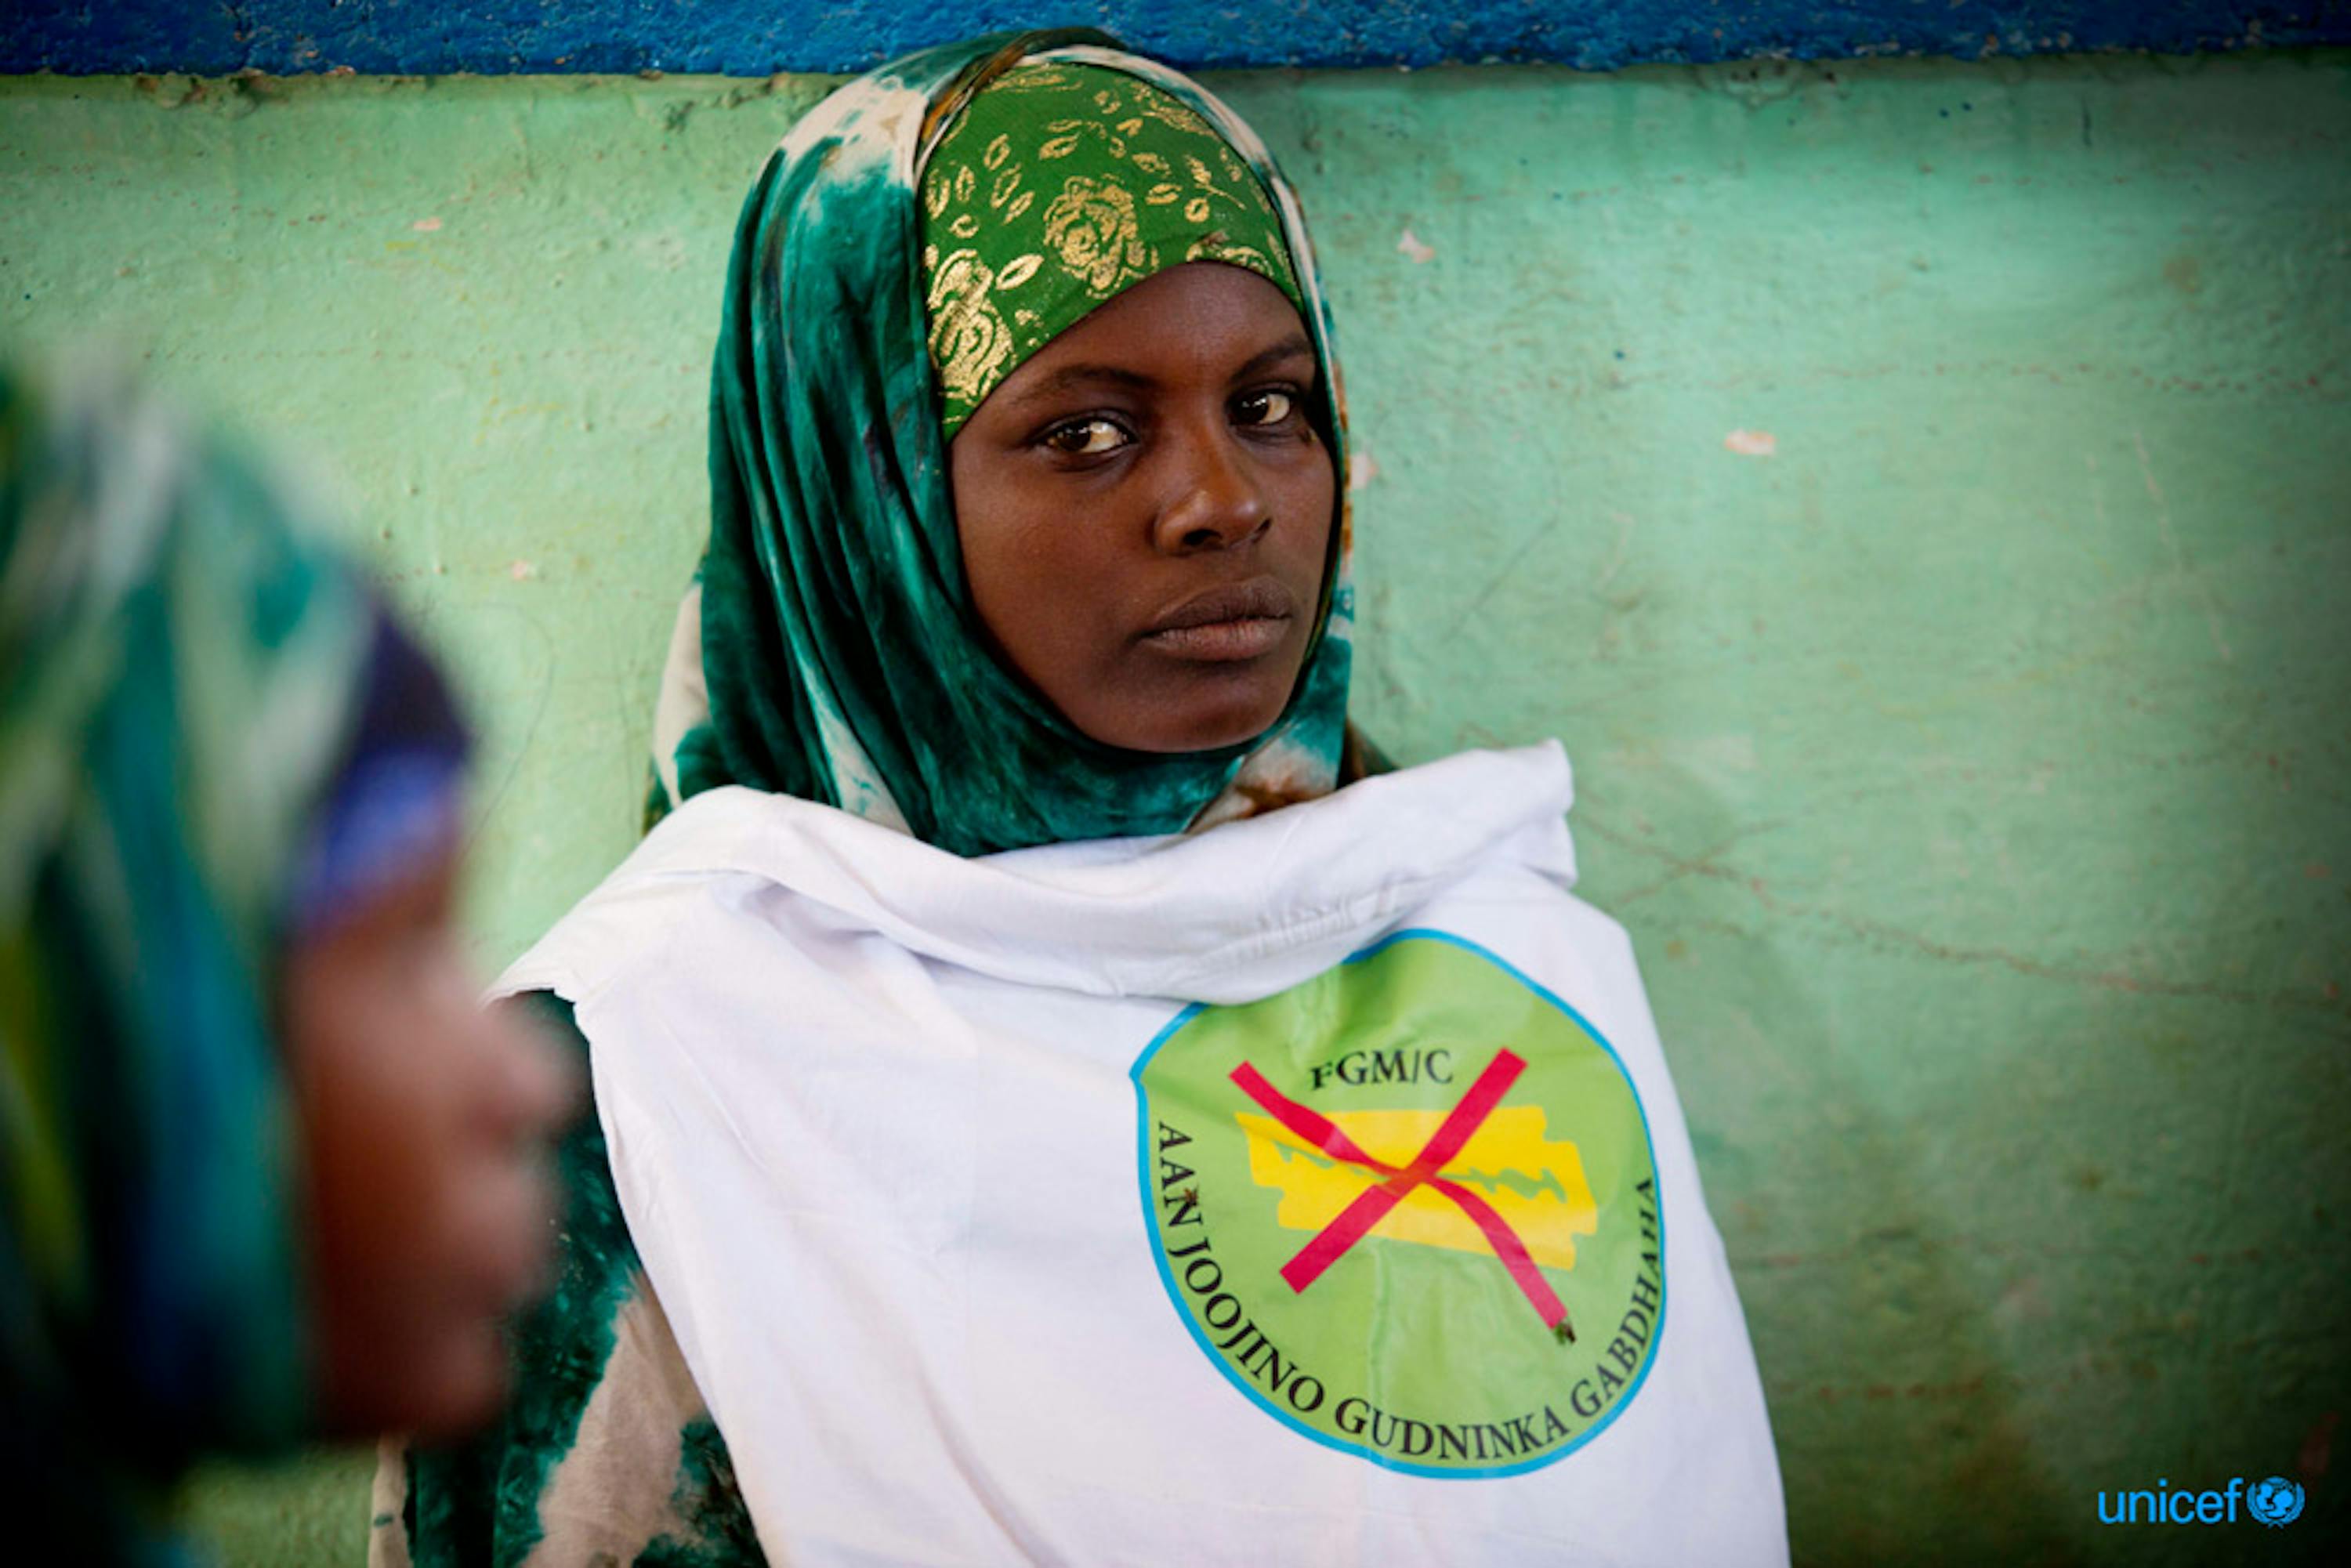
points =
(1916, 492)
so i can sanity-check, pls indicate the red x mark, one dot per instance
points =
(1356, 1220)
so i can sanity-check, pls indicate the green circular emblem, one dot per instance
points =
(1409, 1207)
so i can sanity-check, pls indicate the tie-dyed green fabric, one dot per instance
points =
(834, 633)
(1058, 187)
(178, 673)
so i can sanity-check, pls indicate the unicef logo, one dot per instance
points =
(2274, 1502)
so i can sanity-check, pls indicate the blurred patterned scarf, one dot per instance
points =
(830, 649)
(182, 692)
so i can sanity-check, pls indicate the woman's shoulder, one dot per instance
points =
(628, 921)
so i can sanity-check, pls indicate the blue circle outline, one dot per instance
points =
(1168, 1280)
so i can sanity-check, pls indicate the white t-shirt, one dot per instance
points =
(1308, 1190)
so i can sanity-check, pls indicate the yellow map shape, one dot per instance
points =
(1535, 1183)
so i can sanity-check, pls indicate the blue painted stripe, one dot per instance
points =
(755, 37)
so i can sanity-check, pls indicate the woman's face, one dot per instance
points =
(1145, 511)
(423, 1119)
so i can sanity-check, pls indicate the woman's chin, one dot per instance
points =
(1180, 706)
(1196, 721)
(434, 1391)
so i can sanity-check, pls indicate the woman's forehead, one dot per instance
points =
(1200, 326)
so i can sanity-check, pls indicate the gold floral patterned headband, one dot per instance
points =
(1061, 185)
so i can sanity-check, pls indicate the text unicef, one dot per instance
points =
(2274, 1502)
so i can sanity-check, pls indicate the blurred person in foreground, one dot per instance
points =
(266, 1172)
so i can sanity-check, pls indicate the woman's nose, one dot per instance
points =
(1217, 502)
(531, 1089)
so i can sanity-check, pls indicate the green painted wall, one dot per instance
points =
(1970, 765)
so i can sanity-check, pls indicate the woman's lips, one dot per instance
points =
(1224, 625)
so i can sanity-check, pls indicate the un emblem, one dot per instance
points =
(2274, 1502)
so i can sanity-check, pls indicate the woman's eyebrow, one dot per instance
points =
(1295, 346)
(1292, 347)
(1069, 376)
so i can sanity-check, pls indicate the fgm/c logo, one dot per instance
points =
(1409, 1207)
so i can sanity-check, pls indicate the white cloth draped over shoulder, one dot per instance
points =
(1311, 1190)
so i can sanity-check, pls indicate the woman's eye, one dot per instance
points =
(1085, 437)
(1264, 407)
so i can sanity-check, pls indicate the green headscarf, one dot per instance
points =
(830, 649)
(176, 680)
(1058, 187)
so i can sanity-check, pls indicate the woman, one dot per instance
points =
(1039, 1118)
(265, 1173)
